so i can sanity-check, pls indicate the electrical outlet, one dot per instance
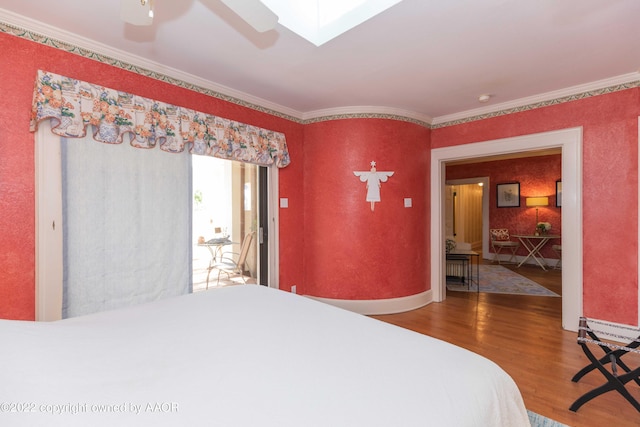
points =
(294, 289)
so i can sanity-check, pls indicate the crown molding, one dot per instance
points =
(366, 112)
(53, 36)
(599, 87)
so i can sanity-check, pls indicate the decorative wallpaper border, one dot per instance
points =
(541, 104)
(86, 53)
(366, 116)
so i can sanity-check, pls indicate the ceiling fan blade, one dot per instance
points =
(254, 13)
(135, 12)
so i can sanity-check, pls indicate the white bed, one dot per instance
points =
(244, 356)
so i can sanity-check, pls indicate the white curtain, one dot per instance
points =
(127, 211)
(127, 225)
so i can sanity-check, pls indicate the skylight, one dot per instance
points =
(322, 20)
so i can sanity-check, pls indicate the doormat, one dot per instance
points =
(500, 280)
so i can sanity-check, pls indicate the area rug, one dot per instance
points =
(500, 280)
(538, 420)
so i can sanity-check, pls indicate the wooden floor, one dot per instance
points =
(523, 335)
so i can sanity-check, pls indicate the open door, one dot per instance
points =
(230, 203)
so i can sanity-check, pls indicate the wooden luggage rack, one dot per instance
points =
(608, 364)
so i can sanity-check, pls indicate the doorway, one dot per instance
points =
(227, 211)
(467, 212)
(570, 143)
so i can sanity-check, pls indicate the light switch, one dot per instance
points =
(284, 202)
(407, 202)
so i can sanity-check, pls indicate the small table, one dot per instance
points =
(466, 256)
(215, 247)
(534, 244)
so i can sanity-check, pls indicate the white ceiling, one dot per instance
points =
(430, 58)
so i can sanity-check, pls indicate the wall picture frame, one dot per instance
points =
(559, 193)
(508, 195)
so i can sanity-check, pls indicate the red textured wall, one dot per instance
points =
(328, 225)
(537, 177)
(350, 251)
(18, 64)
(609, 192)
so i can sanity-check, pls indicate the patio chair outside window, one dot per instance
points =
(233, 263)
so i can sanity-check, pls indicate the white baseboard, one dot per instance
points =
(381, 306)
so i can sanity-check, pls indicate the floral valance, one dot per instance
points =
(75, 107)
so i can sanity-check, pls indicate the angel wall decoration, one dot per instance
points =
(373, 179)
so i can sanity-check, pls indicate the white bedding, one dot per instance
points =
(244, 356)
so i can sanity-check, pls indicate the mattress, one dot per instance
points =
(244, 356)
